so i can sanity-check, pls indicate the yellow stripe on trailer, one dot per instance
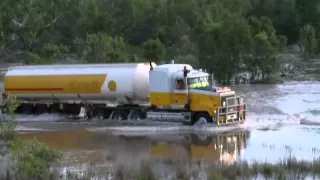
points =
(57, 84)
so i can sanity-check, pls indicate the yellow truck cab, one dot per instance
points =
(178, 91)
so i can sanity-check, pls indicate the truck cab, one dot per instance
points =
(178, 88)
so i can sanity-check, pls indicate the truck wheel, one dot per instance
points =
(99, 114)
(119, 116)
(136, 116)
(4, 109)
(201, 119)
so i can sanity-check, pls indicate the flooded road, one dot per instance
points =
(283, 120)
(87, 148)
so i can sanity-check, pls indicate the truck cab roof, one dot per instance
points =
(177, 70)
(172, 67)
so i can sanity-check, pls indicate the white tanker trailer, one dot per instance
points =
(169, 92)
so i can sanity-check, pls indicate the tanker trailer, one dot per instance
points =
(65, 88)
(169, 92)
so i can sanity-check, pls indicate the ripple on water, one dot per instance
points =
(258, 121)
(273, 145)
(314, 112)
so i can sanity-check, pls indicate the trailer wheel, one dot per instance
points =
(136, 116)
(119, 116)
(99, 114)
(54, 109)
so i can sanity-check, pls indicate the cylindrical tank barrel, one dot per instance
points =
(124, 83)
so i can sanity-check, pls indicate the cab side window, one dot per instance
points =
(180, 84)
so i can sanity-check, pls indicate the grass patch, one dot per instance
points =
(290, 168)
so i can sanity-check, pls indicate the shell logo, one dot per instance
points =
(112, 85)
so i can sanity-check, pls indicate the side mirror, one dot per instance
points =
(185, 72)
(151, 67)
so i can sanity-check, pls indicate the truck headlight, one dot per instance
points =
(224, 104)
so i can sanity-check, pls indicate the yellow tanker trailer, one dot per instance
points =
(133, 91)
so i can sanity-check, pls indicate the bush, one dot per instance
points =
(32, 159)
(7, 123)
(146, 173)
(7, 130)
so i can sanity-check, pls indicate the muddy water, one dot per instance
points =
(82, 146)
(282, 120)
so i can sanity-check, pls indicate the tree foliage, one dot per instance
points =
(153, 50)
(101, 48)
(33, 159)
(224, 35)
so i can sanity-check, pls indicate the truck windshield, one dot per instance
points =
(198, 83)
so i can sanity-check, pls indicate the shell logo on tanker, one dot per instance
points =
(112, 86)
(84, 86)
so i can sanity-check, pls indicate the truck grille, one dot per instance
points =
(233, 112)
(231, 102)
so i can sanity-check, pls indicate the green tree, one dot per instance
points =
(264, 54)
(224, 44)
(266, 44)
(308, 40)
(184, 51)
(101, 48)
(154, 50)
(220, 34)
(48, 54)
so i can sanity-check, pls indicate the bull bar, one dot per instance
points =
(234, 112)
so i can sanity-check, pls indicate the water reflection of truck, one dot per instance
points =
(224, 147)
(169, 92)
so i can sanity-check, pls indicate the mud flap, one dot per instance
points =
(82, 112)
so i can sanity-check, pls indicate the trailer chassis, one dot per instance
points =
(228, 115)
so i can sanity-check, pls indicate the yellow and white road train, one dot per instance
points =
(133, 91)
